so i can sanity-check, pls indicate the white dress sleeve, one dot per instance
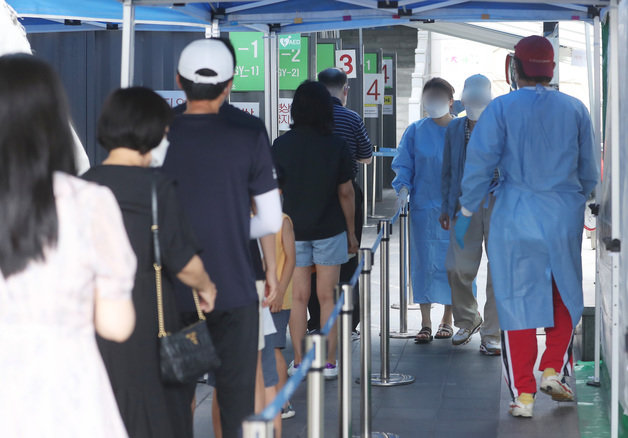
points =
(113, 259)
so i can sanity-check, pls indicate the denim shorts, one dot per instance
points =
(331, 251)
(281, 320)
(269, 364)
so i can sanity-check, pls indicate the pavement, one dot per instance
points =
(458, 392)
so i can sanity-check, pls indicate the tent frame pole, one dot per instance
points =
(128, 44)
(613, 100)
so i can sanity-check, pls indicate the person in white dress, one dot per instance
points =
(66, 268)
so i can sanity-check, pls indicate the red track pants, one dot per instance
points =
(520, 350)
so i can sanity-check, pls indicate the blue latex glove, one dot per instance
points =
(461, 227)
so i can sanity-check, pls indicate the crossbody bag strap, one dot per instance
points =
(157, 254)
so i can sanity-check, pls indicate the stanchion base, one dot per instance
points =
(405, 335)
(413, 306)
(393, 380)
(594, 383)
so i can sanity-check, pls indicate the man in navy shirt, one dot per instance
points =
(221, 160)
(349, 125)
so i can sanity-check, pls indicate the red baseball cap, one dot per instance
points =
(536, 55)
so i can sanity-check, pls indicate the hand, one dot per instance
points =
(272, 288)
(444, 221)
(461, 227)
(353, 243)
(402, 197)
(208, 297)
(276, 305)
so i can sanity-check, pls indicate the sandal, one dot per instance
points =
(424, 336)
(445, 331)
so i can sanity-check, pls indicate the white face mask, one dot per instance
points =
(474, 112)
(158, 154)
(436, 109)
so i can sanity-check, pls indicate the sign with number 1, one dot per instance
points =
(374, 88)
(345, 60)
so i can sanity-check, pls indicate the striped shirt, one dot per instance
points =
(350, 126)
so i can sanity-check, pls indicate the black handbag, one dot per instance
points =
(189, 353)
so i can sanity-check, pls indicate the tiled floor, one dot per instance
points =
(458, 392)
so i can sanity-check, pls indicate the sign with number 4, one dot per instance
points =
(345, 60)
(374, 88)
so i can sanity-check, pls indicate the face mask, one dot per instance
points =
(436, 110)
(474, 112)
(158, 154)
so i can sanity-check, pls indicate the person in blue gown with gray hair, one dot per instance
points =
(418, 167)
(542, 142)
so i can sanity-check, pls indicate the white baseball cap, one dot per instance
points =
(208, 54)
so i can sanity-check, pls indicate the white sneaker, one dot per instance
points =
(331, 371)
(556, 386)
(288, 412)
(464, 335)
(490, 348)
(522, 406)
(292, 369)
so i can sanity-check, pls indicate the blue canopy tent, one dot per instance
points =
(302, 16)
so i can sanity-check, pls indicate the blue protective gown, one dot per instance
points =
(542, 142)
(418, 166)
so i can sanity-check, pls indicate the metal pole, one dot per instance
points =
(374, 183)
(365, 343)
(316, 386)
(344, 362)
(365, 186)
(274, 86)
(268, 117)
(256, 427)
(128, 44)
(403, 332)
(385, 378)
(597, 128)
(615, 210)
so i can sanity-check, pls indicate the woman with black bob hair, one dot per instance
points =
(132, 127)
(318, 196)
(66, 267)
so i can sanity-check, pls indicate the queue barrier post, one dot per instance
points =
(257, 427)
(344, 362)
(404, 277)
(316, 386)
(385, 377)
(365, 343)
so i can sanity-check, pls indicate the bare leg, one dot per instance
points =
(426, 315)
(282, 370)
(301, 285)
(448, 315)
(327, 277)
(270, 392)
(216, 416)
(259, 385)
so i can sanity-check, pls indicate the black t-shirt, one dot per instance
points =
(313, 166)
(220, 161)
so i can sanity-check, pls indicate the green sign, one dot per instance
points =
(293, 65)
(325, 56)
(249, 48)
(370, 63)
(290, 41)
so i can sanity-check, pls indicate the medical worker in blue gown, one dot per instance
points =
(542, 142)
(418, 167)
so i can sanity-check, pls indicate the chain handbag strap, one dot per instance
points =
(157, 266)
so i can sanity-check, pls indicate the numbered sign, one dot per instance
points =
(249, 72)
(374, 88)
(345, 60)
(370, 63)
(293, 61)
(387, 70)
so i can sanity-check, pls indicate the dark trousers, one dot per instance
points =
(346, 271)
(235, 335)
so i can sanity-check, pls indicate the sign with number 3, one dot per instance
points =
(345, 60)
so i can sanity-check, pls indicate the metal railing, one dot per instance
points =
(314, 360)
